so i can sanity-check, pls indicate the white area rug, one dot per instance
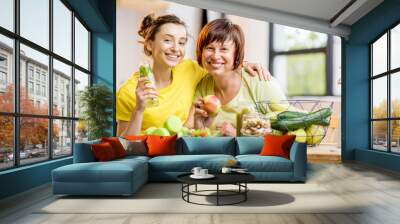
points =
(166, 198)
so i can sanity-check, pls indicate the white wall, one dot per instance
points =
(337, 65)
(192, 17)
(257, 38)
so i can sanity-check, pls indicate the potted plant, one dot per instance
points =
(96, 104)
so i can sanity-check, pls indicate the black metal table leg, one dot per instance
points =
(245, 193)
(188, 189)
(217, 194)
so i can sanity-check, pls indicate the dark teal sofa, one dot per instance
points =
(125, 176)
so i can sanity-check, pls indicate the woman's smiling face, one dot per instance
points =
(218, 57)
(168, 46)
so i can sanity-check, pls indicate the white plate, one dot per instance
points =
(208, 176)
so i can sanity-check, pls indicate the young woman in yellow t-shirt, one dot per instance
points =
(175, 78)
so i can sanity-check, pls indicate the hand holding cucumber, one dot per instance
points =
(143, 94)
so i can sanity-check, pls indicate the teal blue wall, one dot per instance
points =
(99, 16)
(103, 65)
(380, 159)
(24, 178)
(355, 61)
(356, 99)
(103, 52)
(90, 11)
(102, 58)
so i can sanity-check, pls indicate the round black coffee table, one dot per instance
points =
(238, 179)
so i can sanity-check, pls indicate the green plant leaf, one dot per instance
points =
(96, 102)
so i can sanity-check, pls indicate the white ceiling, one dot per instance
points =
(321, 9)
(315, 15)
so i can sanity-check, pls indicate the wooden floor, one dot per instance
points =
(378, 189)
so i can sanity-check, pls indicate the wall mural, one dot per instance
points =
(216, 90)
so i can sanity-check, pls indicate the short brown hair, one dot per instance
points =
(221, 30)
(151, 25)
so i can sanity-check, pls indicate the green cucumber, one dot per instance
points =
(144, 71)
(290, 114)
(320, 117)
(324, 122)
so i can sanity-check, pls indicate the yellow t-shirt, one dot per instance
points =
(251, 90)
(175, 99)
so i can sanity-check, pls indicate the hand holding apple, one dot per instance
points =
(201, 116)
(211, 104)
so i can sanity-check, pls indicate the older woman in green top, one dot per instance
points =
(220, 50)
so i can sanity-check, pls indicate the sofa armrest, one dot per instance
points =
(83, 152)
(298, 155)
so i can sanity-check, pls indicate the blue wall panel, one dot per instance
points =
(102, 58)
(356, 93)
(357, 101)
(91, 14)
(377, 158)
(103, 62)
(24, 178)
(103, 52)
(376, 22)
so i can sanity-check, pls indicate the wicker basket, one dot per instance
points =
(307, 119)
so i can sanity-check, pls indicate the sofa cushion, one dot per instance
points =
(93, 172)
(116, 145)
(249, 145)
(275, 145)
(207, 145)
(130, 158)
(185, 163)
(257, 163)
(103, 152)
(134, 147)
(161, 145)
(112, 171)
(135, 137)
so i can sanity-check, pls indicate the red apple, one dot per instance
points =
(211, 104)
